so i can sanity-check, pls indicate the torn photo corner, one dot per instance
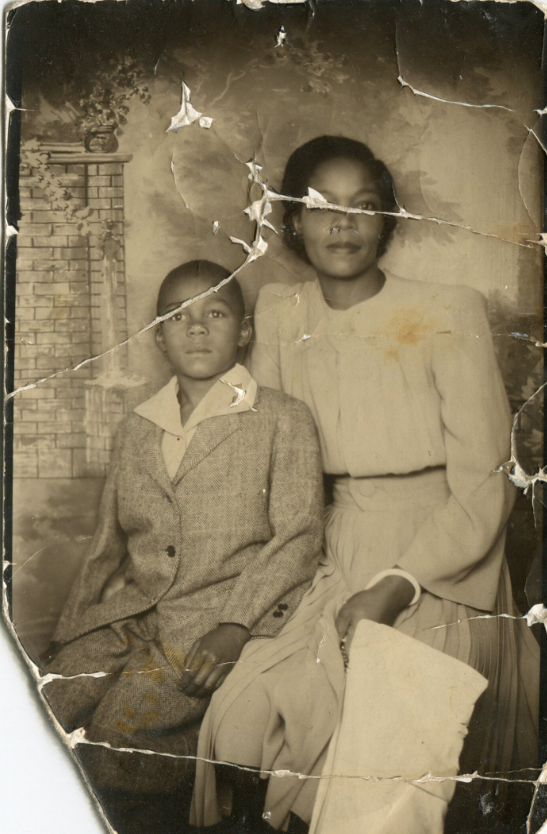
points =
(274, 417)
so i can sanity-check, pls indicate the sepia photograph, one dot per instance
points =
(274, 423)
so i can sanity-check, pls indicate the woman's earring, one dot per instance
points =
(289, 229)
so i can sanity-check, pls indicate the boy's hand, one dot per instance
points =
(211, 659)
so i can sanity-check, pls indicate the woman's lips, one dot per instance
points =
(343, 248)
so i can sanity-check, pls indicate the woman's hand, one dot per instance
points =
(211, 659)
(382, 604)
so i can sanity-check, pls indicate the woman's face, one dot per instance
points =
(342, 246)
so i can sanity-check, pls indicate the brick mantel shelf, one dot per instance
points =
(90, 158)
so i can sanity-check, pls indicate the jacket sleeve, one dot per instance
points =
(285, 566)
(457, 553)
(107, 550)
(264, 361)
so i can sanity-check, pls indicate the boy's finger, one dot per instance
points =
(212, 682)
(216, 678)
(187, 678)
(193, 664)
(200, 677)
(190, 657)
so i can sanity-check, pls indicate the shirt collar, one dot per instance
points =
(235, 392)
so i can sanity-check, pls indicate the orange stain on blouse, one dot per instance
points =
(407, 326)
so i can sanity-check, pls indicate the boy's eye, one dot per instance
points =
(178, 317)
(216, 314)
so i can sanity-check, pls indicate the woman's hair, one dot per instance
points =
(307, 158)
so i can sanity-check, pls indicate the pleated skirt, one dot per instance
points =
(280, 706)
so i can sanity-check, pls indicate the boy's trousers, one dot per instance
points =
(127, 695)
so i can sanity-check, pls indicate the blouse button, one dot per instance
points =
(170, 551)
(277, 614)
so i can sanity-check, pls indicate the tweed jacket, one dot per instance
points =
(235, 535)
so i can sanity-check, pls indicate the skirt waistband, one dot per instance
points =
(427, 487)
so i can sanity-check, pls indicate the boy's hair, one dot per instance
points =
(308, 157)
(217, 273)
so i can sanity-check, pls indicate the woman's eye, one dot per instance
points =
(368, 205)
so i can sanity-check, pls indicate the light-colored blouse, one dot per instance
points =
(404, 381)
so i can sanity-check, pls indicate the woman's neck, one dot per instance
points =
(343, 293)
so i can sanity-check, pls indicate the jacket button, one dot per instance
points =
(277, 614)
(283, 606)
(171, 551)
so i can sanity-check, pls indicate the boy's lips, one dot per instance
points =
(198, 351)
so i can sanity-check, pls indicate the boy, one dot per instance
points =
(212, 509)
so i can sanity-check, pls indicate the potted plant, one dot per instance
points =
(105, 108)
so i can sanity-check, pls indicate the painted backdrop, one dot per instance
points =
(446, 94)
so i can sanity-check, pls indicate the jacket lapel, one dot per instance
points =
(209, 434)
(151, 456)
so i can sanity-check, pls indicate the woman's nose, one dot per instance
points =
(343, 222)
(346, 221)
(196, 328)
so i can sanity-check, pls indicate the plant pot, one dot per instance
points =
(101, 139)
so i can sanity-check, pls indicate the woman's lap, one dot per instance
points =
(284, 720)
(282, 705)
(275, 727)
(282, 712)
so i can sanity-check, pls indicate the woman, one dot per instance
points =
(403, 383)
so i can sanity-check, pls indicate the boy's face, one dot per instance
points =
(201, 341)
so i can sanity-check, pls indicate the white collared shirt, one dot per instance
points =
(233, 393)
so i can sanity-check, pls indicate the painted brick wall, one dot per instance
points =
(58, 314)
